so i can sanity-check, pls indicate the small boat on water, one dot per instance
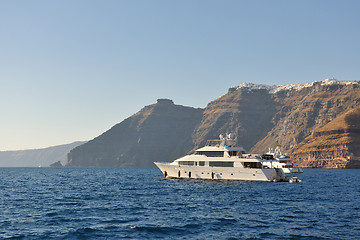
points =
(219, 159)
(295, 179)
(274, 158)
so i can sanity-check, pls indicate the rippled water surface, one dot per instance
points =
(138, 203)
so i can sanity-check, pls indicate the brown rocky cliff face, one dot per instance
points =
(301, 112)
(335, 145)
(303, 120)
(352, 120)
(246, 113)
(159, 132)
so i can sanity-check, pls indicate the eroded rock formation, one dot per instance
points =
(159, 132)
(318, 123)
(335, 145)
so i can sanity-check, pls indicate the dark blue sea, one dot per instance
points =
(138, 203)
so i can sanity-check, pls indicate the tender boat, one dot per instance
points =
(295, 179)
(219, 159)
(274, 158)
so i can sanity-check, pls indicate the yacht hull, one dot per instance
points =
(293, 170)
(225, 173)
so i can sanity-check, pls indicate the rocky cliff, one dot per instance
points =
(245, 112)
(37, 157)
(335, 145)
(304, 108)
(293, 116)
(159, 132)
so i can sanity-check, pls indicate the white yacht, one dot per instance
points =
(274, 158)
(219, 159)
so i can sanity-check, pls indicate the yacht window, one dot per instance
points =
(267, 156)
(234, 153)
(252, 164)
(188, 163)
(210, 153)
(221, 164)
(201, 163)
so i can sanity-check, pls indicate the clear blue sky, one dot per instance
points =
(71, 69)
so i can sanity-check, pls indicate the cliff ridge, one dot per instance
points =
(316, 123)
